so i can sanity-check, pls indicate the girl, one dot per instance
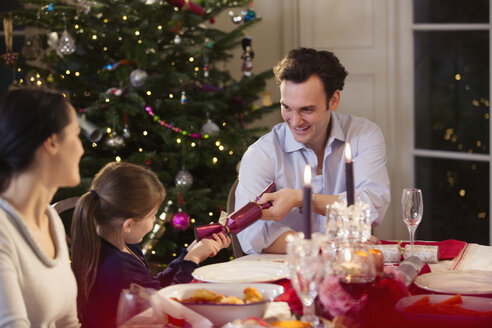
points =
(108, 222)
(40, 151)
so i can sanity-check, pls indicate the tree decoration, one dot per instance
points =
(84, 6)
(114, 91)
(209, 127)
(183, 100)
(180, 220)
(188, 5)
(247, 56)
(205, 64)
(158, 230)
(32, 47)
(163, 123)
(249, 15)
(66, 44)
(236, 18)
(10, 57)
(184, 179)
(126, 131)
(114, 140)
(266, 99)
(137, 77)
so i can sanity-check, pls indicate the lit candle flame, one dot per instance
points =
(348, 153)
(307, 175)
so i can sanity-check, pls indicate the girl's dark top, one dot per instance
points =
(116, 271)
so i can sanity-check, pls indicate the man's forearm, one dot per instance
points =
(320, 202)
(279, 246)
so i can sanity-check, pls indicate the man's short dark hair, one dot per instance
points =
(301, 63)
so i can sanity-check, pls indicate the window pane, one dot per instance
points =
(452, 90)
(456, 200)
(451, 11)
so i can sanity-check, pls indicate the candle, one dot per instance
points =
(349, 175)
(306, 202)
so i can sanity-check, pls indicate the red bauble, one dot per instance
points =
(180, 220)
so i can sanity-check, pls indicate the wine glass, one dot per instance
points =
(306, 268)
(412, 208)
(355, 270)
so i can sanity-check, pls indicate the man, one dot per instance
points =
(311, 82)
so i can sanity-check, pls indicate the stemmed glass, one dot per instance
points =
(412, 208)
(306, 267)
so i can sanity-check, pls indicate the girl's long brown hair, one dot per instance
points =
(118, 191)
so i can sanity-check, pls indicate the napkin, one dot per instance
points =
(474, 257)
(171, 311)
(448, 249)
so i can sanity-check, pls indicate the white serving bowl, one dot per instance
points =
(220, 314)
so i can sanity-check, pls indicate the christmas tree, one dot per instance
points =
(150, 75)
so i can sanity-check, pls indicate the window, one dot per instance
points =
(451, 41)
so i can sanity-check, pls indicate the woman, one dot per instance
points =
(108, 223)
(40, 151)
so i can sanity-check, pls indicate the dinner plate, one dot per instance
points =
(457, 282)
(242, 271)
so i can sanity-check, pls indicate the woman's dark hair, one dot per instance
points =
(301, 63)
(119, 191)
(28, 116)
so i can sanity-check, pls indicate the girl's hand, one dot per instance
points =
(205, 248)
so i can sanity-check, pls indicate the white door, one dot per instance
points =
(360, 33)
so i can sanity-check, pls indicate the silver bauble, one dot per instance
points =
(137, 77)
(184, 179)
(115, 141)
(66, 44)
(177, 39)
(209, 127)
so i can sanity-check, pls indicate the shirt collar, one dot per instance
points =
(336, 133)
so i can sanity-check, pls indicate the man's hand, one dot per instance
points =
(283, 201)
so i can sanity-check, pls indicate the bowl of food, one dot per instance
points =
(448, 310)
(224, 302)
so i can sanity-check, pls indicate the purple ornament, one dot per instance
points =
(180, 220)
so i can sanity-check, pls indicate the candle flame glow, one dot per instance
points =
(347, 255)
(307, 174)
(348, 153)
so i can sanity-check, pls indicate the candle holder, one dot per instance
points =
(348, 224)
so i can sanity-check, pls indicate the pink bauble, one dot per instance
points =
(180, 220)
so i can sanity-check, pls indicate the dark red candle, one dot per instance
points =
(306, 202)
(349, 175)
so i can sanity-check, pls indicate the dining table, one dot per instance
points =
(461, 266)
(465, 266)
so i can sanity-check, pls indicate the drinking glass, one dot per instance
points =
(139, 307)
(306, 268)
(355, 270)
(412, 208)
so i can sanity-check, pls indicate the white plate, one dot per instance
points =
(220, 314)
(438, 320)
(457, 282)
(242, 271)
